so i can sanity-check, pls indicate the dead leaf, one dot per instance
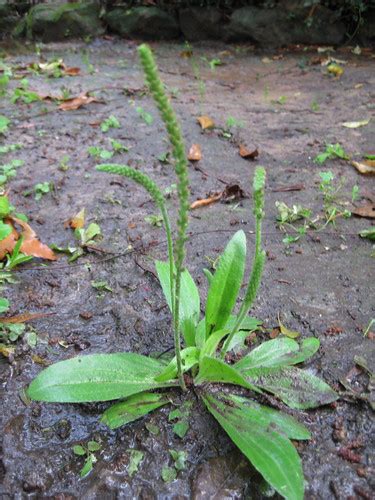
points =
(78, 221)
(367, 211)
(205, 122)
(195, 153)
(366, 167)
(358, 124)
(285, 331)
(8, 243)
(77, 102)
(248, 154)
(230, 193)
(205, 201)
(31, 244)
(22, 318)
(72, 71)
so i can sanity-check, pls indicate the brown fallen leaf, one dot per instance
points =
(8, 243)
(77, 102)
(366, 167)
(31, 244)
(22, 318)
(205, 122)
(230, 193)
(195, 153)
(367, 211)
(78, 221)
(71, 71)
(248, 154)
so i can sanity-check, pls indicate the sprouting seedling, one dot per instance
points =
(108, 123)
(263, 434)
(146, 117)
(88, 451)
(331, 151)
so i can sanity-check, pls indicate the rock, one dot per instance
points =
(51, 22)
(8, 19)
(286, 25)
(143, 22)
(200, 23)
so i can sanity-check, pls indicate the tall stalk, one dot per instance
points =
(258, 259)
(158, 198)
(178, 150)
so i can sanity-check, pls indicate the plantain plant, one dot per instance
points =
(262, 433)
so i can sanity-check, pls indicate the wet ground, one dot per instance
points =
(323, 285)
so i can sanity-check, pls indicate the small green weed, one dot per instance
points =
(88, 451)
(154, 220)
(315, 106)
(64, 163)
(41, 189)
(9, 170)
(4, 124)
(146, 117)
(332, 151)
(22, 93)
(10, 148)
(108, 123)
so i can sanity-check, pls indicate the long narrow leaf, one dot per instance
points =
(133, 408)
(270, 452)
(226, 283)
(189, 300)
(97, 377)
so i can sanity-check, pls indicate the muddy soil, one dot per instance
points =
(323, 285)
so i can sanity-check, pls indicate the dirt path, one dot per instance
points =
(323, 285)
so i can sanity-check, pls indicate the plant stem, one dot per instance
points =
(178, 149)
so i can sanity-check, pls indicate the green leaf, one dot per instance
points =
(168, 474)
(368, 233)
(4, 122)
(89, 464)
(279, 352)
(97, 377)
(4, 305)
(189, 300)
(5, 230)
(226, 283)
(210, 346)
(181, 428)
(79, 450)
(136, 457)
(215, 370)
(4, 206)
(179, 458)
(132, 408)
(189, 358)
(270, 452)
(297, 388)
(200, 334)
(93, 446)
